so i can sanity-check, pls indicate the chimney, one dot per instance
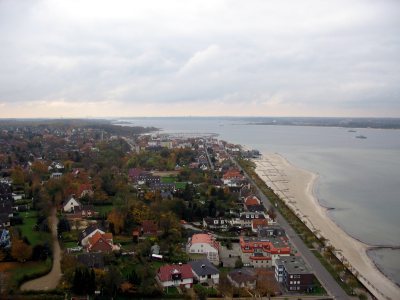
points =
(203, 266)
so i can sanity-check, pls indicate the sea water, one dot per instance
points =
(358, 178)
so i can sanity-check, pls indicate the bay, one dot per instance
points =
(359, 178)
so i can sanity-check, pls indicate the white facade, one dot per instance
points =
(71, 203)
(187, 283)
(205, 248)
(214, 278)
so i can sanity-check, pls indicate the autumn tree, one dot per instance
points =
(169, 224)
(116, 219)
(272, 213)
(18, 176)
(20, 250)
(39, 168)
(141, 212)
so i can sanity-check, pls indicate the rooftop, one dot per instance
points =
(294, 265)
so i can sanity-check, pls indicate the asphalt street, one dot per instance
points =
(326, 279)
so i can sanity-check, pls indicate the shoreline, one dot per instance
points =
(297, 188)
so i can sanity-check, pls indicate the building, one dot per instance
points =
(247, 217)
(70, 204)
(101, 242)
(294, 274)
(216, 224)
(180, 275)
(251, 200)
(149, 228)
(258, 224)
(88, 233)
(204, 271)
(205, 244)
(243, 278)
(233, 178)
(271, 231)
(262, 253)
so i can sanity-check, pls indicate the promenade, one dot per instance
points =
(327, 281)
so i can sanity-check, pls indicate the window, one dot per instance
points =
(298, 282)
(291, 276)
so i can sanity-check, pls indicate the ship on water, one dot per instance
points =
(361, 136)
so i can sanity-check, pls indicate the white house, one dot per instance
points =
(205, 244)
(175, 275)
(70, 204)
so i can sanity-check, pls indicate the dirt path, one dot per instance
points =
(49, 281)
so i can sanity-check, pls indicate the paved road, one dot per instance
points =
(49, 281)
(322, 274)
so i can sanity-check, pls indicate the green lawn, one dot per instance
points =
(27, 229)
(29, 270)
(180, 185)
(104, 209)
(168, 179)
(171, 291)
(70, 244)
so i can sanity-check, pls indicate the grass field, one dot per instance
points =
(16, 272)
(168, 179)
(104, 209)
(28, 229)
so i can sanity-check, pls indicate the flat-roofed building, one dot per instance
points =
(294, 274)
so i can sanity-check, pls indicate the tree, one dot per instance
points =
(272, 213)
(352, 283)
(116, 218)
(2, 255)
(39, 168)
(112, 281)
(17, 176)
(84, 281)
(20, 250)
(238, 263)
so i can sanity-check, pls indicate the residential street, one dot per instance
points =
(322, 274)
(49, 281)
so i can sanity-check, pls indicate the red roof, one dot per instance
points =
(259, 223)
(149, 227)
(165, 272)
(135, 172)
(84, 187)
(204, 238)
(252, 200)
(233, 173)
(106, 237)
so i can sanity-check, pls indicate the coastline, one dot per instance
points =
(296, 188)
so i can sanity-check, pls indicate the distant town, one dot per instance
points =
(92, 209)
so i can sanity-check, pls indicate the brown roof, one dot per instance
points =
(165, 272)
(149, 227)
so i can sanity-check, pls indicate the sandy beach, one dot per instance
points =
(295, 186)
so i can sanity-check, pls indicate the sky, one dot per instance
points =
(81, 58)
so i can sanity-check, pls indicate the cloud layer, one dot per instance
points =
(132, 58)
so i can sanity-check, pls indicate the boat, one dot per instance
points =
(361, 136)
(352, 130)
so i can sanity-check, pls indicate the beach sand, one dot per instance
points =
(295, 186)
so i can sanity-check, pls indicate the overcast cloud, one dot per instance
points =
(134, 58)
